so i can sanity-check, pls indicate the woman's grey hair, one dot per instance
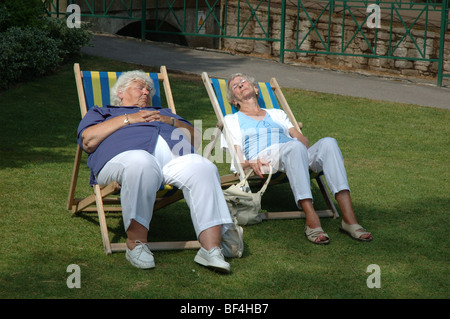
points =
(124, 81)
(230, 94)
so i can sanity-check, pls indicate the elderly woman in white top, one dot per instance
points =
(141, 147)
(264, 137)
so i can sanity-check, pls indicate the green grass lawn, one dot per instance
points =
(397, 158)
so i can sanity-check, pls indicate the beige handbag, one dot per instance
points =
(245, 206)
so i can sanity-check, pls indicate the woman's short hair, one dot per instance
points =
(124, 81)
(230, 94)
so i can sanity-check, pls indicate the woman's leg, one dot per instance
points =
(348, 215)
(294, 158)
(326, 156)
(140, 177)
(199, 180)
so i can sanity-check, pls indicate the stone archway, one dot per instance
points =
(134, 30)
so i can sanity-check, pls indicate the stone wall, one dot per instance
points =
(357, 46)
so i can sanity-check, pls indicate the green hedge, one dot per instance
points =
(27, 53)
(23, 13)
(31, 44)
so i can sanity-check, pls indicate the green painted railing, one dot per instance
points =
(445, 20)
(396, 11)
(98, 8)
(255, 20)
(247, 11)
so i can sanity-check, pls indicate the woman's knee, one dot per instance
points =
(142, 163)
(204, 165)
(329, 142)
(202, 169)
(295, 147)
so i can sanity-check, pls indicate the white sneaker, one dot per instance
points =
(140, 256)
(212, 259)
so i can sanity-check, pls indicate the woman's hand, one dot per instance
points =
(151, 116)
(259, 166)
(148, 116)
(94, 135)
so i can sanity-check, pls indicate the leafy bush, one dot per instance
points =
(32, 44)
(27, 53)
(23, 13)
(71, 39)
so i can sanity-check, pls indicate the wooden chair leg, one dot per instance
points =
(164, 246)
(326, 196)
(73, 182)
(102, 219)
(120, 247)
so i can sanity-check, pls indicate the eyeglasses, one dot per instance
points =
(235, 85)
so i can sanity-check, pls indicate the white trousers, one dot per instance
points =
(295, 159)
(141, 174)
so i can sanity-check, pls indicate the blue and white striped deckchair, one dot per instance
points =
(270, 96)
(94, 89)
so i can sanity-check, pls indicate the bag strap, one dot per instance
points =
(264, 187)
(244, 180)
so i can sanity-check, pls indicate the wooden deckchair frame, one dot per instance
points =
(232, 178)
(100, 201)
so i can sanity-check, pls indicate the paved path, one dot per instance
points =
(221, 64)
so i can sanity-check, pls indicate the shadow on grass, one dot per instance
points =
(278, 261)
(172, 223)
(39, 122)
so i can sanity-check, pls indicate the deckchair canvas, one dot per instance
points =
(93, 89)
(270, 96)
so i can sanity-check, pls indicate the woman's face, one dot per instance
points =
(137, 94)
(242, 89)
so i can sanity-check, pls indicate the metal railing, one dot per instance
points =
(98, 8)
(351, 27)
(319, 19)
(445, 20)
(216, 13)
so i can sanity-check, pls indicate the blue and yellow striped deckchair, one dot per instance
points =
(94, 89)
(270, 96)
(97, 85)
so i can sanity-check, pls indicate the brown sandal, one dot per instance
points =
(355, 231)
(313, 235)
